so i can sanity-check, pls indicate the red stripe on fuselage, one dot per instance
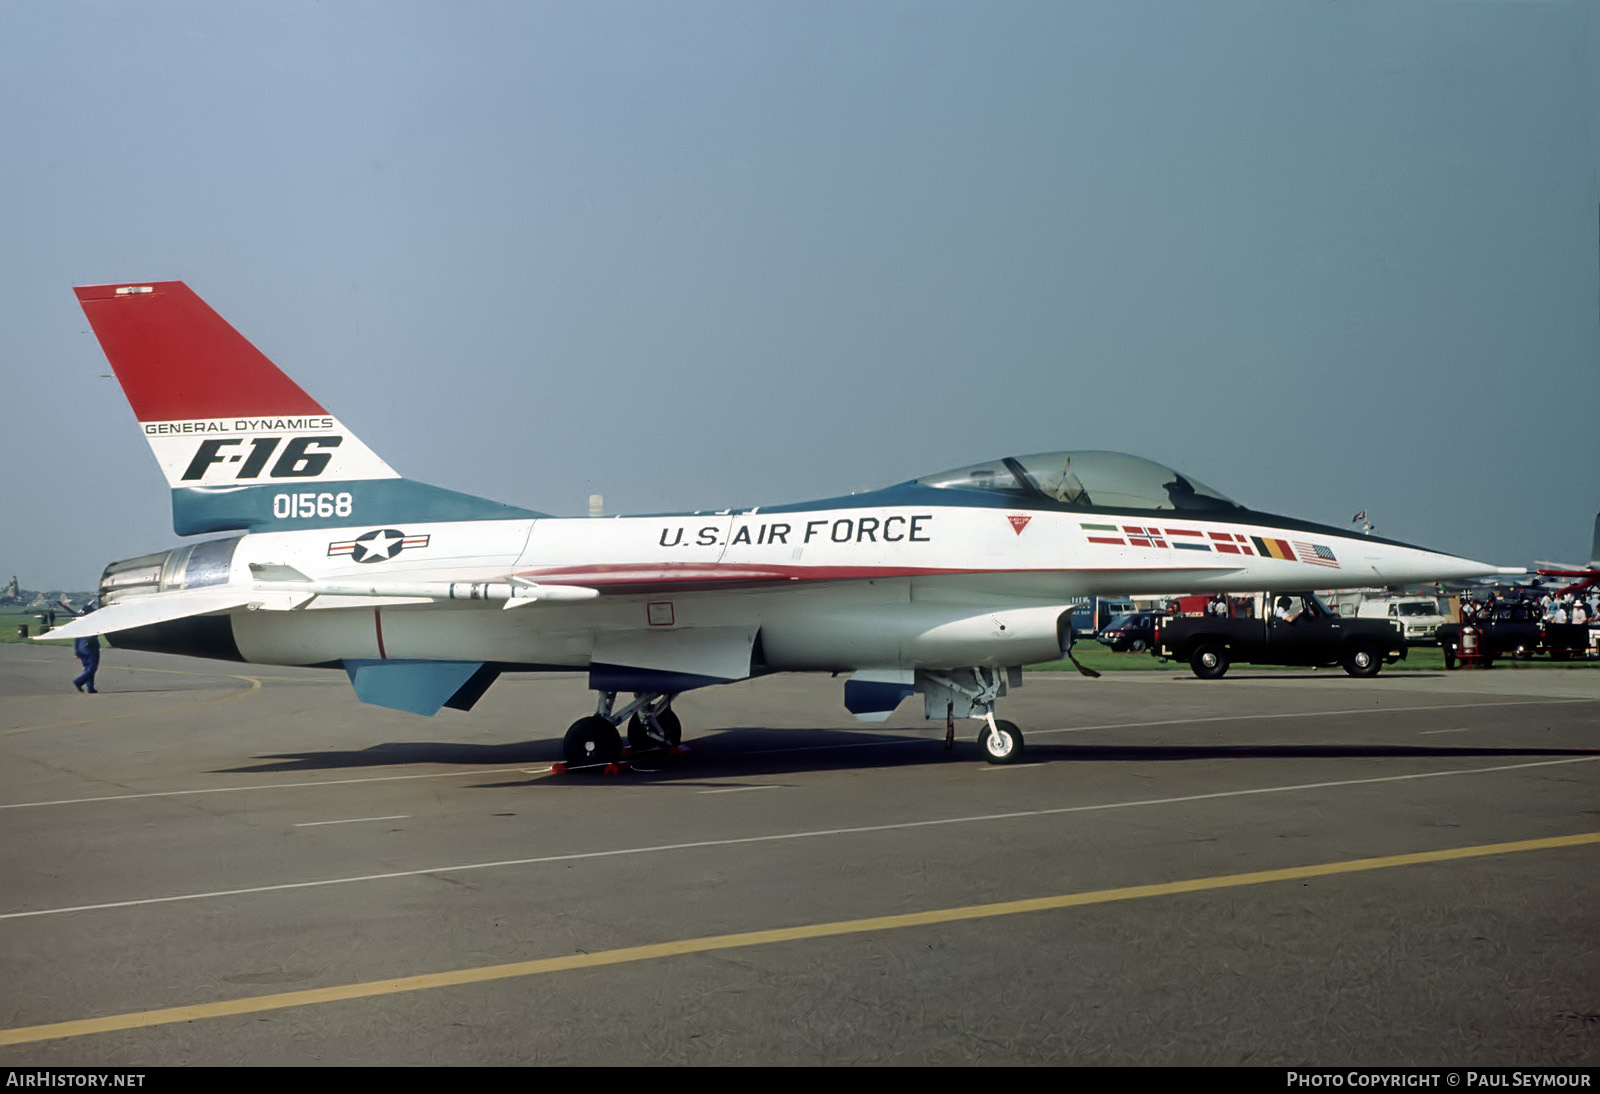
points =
(668, 574)
(178, 360)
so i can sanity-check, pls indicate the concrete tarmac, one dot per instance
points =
(211, 863)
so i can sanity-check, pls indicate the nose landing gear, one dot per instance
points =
(971, 693)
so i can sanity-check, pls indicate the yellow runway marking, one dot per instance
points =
(255, 686)
(627, 954)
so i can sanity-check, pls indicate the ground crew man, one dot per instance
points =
(87, 650)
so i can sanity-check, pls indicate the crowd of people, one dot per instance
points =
(1571, 607)
(1580, 607)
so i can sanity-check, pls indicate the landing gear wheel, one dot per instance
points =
(639, 740)
(1002, 744)
(592, 742)
(1210, 661)
(1363, 659)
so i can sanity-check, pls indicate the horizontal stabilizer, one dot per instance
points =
(420, 687)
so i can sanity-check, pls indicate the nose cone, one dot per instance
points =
(1397, 565)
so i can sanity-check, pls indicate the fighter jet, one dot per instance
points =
(942, 586)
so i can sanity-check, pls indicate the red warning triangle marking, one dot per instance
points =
(1018, 523)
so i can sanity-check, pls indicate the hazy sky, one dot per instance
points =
(1325, 256)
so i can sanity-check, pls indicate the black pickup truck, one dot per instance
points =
(1278, 629)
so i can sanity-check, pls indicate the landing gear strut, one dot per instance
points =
(594, 742)
(1000, 740)
(971, 693)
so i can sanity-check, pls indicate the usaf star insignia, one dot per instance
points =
(379, 545)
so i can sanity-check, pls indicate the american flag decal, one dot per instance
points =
(1316, 554)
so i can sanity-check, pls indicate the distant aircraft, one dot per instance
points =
(944, 585)
(1587, 576)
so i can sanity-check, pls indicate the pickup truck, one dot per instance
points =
(1278, 629)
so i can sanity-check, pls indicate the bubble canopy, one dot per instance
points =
(1085, 480)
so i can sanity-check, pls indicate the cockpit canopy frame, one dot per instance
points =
(1086, 480)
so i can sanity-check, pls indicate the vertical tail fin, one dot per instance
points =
(241, 444)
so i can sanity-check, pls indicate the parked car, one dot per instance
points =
(1129, 632)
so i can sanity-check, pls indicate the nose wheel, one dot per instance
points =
(1001, 741)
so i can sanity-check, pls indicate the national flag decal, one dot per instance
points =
(1193, 539)
(1231, 543)
(1143, 537)
(1316, 554)
(1104, 533)
(1273, 548)
(1188, 539)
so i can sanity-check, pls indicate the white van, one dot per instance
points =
(1418, 617)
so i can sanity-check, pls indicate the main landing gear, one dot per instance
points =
(594, 743)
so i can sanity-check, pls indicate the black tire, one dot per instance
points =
(640, 741)
(1363, 659)
(1003, 744)
(1449, 656)
(1209, 661)
(592, 742)
(1137, 645)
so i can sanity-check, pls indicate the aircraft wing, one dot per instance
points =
(147, 610)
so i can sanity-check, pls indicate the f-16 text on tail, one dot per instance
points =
(943, 586)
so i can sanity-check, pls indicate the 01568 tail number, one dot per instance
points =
(305, 506)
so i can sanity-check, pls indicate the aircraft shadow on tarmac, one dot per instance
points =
(393, 753)
(707, 763)
(747, 752)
